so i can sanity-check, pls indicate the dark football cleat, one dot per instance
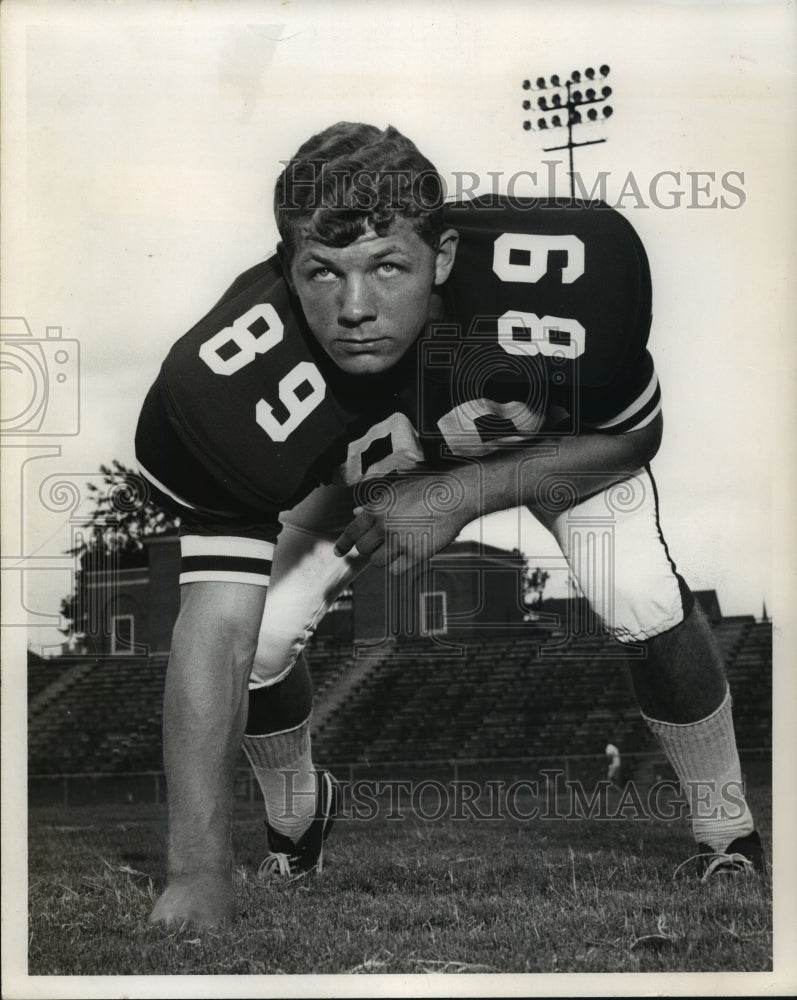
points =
(288, 859)
(743, 856)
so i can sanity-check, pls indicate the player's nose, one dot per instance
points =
(356, 302)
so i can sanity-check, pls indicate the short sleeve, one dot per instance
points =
(221, 539)
(232, 551)
(628, 403)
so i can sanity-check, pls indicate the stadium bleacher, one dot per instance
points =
(102, 715)
(42, 673)
(494, 698)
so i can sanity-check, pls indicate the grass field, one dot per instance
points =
(401, 895)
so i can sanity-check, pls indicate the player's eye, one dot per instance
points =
(322, 274)
(387, 267)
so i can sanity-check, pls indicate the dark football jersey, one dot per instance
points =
(546, 319)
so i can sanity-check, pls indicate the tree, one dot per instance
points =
(123, 516)
(535, 581)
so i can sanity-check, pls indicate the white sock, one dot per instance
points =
(706, 760)
(283, 765)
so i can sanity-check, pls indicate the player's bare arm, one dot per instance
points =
(582, 464)
(204, 717)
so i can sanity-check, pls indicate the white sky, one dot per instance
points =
(138, 183)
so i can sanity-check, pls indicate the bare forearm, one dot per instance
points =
(204, 717)
(573, 466)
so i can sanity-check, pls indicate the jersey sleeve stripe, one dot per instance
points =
(650, 390)
(639, 420)
(209, 563)
(226, 545)
(640, 410)
(225, 558)
(224, 576)
(639, 424)
(164, 489)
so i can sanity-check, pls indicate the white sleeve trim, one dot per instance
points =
(639, 403)
(225, 559)
(225, 576)
(164, 489)
(226, 545)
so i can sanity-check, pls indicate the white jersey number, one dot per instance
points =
(461, 433)
(553, 336)
(256, 332)
(533, 249)
(388, 446)
(521, 334)
(304, 376)
(260, 329)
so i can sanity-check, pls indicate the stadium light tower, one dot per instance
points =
(561, 106)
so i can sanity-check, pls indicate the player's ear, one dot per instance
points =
(285, 263)
(446, 253)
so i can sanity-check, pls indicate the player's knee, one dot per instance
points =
(275, 658)
(639, 614)
(284, 705)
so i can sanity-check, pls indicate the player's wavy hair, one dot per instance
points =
(353, 176)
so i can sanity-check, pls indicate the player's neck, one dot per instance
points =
(437, 309)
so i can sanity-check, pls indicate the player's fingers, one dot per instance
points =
(370, 542)
(353, 531)
(343, 544)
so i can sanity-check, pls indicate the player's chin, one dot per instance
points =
(364, 362)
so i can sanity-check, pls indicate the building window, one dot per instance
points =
(121, 635)
(433, 612)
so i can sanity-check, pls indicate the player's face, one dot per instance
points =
(366, 303)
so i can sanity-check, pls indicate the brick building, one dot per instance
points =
(468, 590)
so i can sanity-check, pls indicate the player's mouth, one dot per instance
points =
(362, 346)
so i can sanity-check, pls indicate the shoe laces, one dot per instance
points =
(721, 863)
(275, 864)
(727, 864)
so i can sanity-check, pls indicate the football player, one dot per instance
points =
(613, 770)
(303, 428)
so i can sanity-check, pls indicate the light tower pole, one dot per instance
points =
(567, 98)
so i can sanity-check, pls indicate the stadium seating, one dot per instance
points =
(106, 718)
(42, 673)
(539, 695)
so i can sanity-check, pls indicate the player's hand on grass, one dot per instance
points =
(422, 515)
(202, 901)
